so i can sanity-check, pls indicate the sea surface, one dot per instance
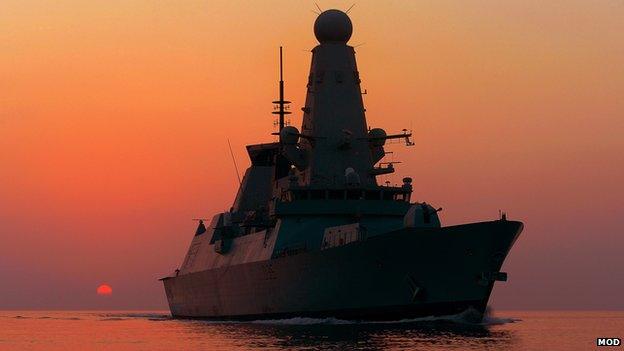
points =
(131, 330)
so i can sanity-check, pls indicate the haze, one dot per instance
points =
(114, 119)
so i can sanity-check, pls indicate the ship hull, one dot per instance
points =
(407, 273)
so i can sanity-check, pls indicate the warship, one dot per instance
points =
(312, 233)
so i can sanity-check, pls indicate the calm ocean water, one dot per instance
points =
(503, 330)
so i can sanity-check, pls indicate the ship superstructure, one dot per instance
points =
(312, 233)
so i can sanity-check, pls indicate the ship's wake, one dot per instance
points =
(468, 317)
(303, 321)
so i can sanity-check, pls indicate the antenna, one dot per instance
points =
(281, 105)
(349, 9)
(318, 7)
(234, 160)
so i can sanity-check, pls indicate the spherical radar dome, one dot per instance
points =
(333, 25)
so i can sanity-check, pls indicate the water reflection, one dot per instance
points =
(413, 335)
(157, 331)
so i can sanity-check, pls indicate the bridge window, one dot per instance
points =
(372, 195)
(336, 194)
(354, 194)
(318, 194)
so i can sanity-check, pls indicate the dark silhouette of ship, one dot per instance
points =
(311, 233)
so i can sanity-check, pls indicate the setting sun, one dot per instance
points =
(104, 289)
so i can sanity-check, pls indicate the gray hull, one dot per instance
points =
(403, 274)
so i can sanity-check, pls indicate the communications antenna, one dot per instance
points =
(281, 107)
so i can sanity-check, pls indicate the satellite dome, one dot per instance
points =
(333, 25)
(377, 136)
(289, 135)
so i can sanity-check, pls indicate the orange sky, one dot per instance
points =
(114, 117)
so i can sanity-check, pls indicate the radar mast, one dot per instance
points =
(281, 107)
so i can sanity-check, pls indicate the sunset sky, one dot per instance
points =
(115, 115)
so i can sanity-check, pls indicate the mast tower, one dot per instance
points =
(281, 107)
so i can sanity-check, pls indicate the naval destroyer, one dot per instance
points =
(312, 233)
